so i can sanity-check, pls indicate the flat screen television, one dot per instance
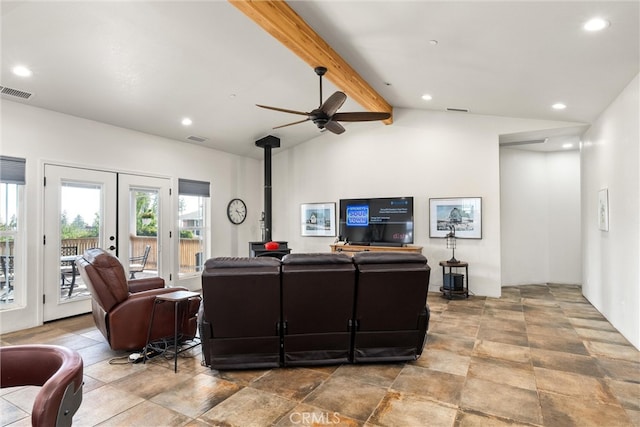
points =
(382, 221)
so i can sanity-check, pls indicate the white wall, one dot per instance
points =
(540, 217)
(610, 159)
(564, 225)
(424, 154)
(40, 135)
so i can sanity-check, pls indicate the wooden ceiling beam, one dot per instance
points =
(278, 19)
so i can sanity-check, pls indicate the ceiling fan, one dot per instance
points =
(326, 115)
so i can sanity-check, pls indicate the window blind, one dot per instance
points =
(189, 187)
(12, 170)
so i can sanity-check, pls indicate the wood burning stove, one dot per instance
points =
(257, 249)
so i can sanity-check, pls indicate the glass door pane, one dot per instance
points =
(80, 206)
(143, 232)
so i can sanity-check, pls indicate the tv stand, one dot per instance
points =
(387, 244)
(352, 249)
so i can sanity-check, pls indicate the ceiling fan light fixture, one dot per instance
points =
(326, 116)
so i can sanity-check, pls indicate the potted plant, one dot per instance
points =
(146, 217)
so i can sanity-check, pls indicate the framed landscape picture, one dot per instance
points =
(318, 219)
(464, 214)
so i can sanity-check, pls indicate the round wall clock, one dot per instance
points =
(237, 211)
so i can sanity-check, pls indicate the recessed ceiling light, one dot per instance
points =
(596, 24)
(22, 71)
(187, 121)
(427, 97)
(558, 106)
(567, 145)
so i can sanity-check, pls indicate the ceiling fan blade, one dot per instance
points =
(333, 103)
(334, 127)
(364, 116)
(291, 124)
(284, 110)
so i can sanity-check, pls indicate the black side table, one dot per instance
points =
(176, 298)
(449, 287)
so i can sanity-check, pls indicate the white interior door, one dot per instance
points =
(79, 213)
(145, 226)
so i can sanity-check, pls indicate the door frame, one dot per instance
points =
(167, 222)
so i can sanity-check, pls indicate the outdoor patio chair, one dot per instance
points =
(67, 267)
(137, 263)
(6, 282)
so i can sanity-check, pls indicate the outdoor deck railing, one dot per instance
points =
(190, 250)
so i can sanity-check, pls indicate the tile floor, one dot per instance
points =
(539, 356)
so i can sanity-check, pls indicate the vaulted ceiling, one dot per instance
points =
(146, 65)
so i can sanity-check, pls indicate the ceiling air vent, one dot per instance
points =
(196, 138)
(15, 92)
(515, 143)
(458, 110)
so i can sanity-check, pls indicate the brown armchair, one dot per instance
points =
(58, 370)
(122, 309)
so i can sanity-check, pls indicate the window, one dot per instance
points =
(193, 198)
(12, 178)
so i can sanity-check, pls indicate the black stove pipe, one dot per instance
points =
(268, 142)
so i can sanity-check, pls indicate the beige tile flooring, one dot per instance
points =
(539, 356)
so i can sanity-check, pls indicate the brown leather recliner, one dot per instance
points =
(122, 309)
(58, 370)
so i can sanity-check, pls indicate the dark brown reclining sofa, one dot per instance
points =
(313, 309)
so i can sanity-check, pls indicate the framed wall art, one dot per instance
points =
(318, 219)
(464, 214)
(603, 209)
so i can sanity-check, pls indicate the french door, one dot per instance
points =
(85, 208)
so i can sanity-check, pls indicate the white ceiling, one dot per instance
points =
(144, 65)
